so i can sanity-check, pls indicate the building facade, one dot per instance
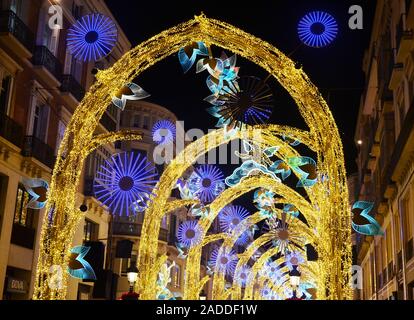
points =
(41, 85)
(385, 138)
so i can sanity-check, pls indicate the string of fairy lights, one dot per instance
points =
(325, 207)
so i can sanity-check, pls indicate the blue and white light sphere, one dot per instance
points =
(189, 233)
(92, 37)
(317, 29)
(163, 132)
(124, 180)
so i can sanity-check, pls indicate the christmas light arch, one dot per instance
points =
(327, 208)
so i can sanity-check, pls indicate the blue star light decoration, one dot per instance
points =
(206, 183)
(163, 132)
(124, 179)
(224, 261)
(130, 91)
(372, 227)
(189, 233)
(37, 189)
(317, 29)
(92, 37)
(78, 267)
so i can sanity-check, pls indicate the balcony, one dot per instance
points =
(15, 35)
(404, 40)
(71, 86)
(49, 66)
(11, 131)
(133, 229)
(409, 250)
(23, 236)
(33, 147)
(396, 76)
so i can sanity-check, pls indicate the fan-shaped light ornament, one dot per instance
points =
(206, 183)
(163, 132)
(294, 258)
(251, 103)
(130, 91)
(199, 211)
(317, 29)
(284, 237)
(282, 168)
(188, 55)
(123, 180)
(189, 233)
(78, 267)
(247, 169)
(224, 261)
(291, 209)
(264, 201)
(363, 222)
(243, 276)
(92, 37)
(37, 189)
(231, 216)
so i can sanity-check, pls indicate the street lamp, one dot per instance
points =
(294, 279)
(132, 274)
(203, 295)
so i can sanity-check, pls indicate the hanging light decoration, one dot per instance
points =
(92, 37)
(37, 189)
(78, 267)
(130, 91)
(206, 183)
(123, 180)
(188, 55)
(189, 233)
(250, 103)
(317, 29)
(163, 132)
(224, 261)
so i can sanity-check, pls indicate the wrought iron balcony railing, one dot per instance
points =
(125, 228)
(69, 84)
(33, 147)
(43, 57)
(11, 130)
(11, 23)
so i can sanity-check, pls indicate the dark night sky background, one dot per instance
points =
(335, 69)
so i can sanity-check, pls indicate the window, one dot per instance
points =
(90, 231)
(76, 10)
(5, 90)
(22, 215)
(177, 277)
(146, 124)
(142, 153)
(137, 121)
(40, 122)
(61, 133)
(16, 6)
(408, 228)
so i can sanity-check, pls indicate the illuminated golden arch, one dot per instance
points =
(329, 199)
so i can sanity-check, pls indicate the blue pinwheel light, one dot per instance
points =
(78, 267)
(224, 261)
(37, 189)
(124, 179)
(317, 29)
(206, 183)
(243, 276)
(294, 258)
(92, 37)
(230, 217)
(163, 132)
(370, 226)
(189, 233)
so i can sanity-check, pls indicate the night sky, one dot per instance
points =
(336, 69)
